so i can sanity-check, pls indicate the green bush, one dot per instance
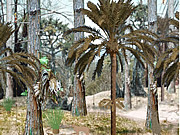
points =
(7, 104)
(54, 117)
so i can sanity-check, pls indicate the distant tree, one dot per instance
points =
(162, 31)
(23, 73)
(52, 42)
(139, 20)
(169, 60)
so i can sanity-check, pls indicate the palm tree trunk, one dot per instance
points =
(113, 93)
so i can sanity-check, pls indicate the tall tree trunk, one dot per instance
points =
(34, 123)
(9, 87)
(2, 7)
(82, 101)
(17, 48)
(171, 87)
(127, 93)
(78, 103)
(152, 118)
(113, 93)
(162, 75)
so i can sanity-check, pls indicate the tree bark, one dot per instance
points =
(34, 125)
(78, 104)
(127, 93)
(113, 93)
(171, 87)
(152, 118)
(2, 17)
(9, 87)
(82, 97)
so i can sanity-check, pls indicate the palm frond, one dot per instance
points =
(120, 60)
(171, 73)
(5, 32)
(169, 61)
(82, 29)
(99, 67)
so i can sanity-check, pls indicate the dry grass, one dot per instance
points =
(98, 123)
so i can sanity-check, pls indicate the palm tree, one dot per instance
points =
(162, 31)
(21, 73)
(111, 18)
(169, 60)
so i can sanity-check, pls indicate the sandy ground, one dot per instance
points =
(168, 109)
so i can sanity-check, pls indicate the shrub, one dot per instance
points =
(7, 104)
(54, 117)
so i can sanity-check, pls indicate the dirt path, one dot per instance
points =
(168, 109)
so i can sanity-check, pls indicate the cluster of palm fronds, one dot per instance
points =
(25, 68)
(14, 63)
(169, 61)
(111, 18)
(47, 85)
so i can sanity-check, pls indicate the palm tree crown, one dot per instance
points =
(169, 61)
(111, 18)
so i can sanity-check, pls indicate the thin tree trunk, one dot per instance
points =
(162, 75)
(34, 124)
(17, 48)
(82, 97)
(2, 17)
(171, 87)
(152, 118)
(113, 93)
(162, 88)
(127, 93)
(78, 103)
(146, 76)
(9, 87)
